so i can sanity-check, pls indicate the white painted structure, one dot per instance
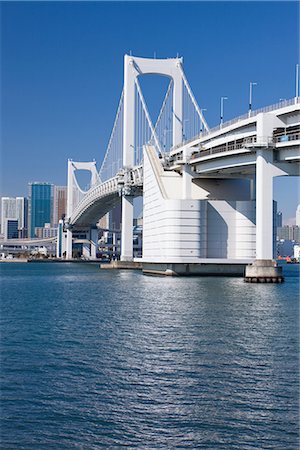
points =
(193, 229)
(133, 68)
(210, 198)
(8, 210)
(298, 216)
(257, 148)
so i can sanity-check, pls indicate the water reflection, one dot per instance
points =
(113, 358)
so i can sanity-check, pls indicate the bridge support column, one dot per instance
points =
(94, 243)
(187, 175)
(69, 254)
(127, 229)
(264, 204)
(187, 178)
(264, 269)
(86, 251)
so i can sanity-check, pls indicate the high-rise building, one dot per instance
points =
(8, 210)
(46, 232)
(15, 208)
(22, 216)
(298, 216)
(59, 203)
(11, 228)
(115, 217)
(279, 219)
(289, 233)
(40, 205)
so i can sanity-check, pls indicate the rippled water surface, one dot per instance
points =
(111, 359)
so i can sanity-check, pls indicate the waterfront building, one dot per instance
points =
(285, 248)
(11, 228)
(8, 210)
(289, 233)
(115, 218)
(137, 239)
(45, 232)
(59, 204)
(279, 219)
(22, 216)
(40, 205)
(298, 216)
(297, 252)
(15, 208)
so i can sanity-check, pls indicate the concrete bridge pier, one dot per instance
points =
(61, 238)
(264, 268)
(87, 237)
(127, 229)
(69, 246)
(94, 243)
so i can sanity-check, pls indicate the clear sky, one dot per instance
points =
(62, 73)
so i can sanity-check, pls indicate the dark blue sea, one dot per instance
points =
(96, 359)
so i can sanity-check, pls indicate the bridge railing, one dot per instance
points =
(249, 142)
(254, 113)
(288, 137)
(123, 180)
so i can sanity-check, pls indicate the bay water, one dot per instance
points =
(114, 359)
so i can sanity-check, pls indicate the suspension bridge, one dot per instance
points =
(207, 193)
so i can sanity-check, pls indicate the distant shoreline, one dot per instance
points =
(54, 260)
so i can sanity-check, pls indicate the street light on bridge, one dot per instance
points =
(222, 110)
(297, 81)
(250, 97)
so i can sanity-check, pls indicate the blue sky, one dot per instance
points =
(62, 73)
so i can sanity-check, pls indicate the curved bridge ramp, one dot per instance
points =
(103, 197)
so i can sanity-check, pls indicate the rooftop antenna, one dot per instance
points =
(154, 55)
(130, 52)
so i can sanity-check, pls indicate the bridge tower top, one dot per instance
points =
(135, 67)
(75, 193)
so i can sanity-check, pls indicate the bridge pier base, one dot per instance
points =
(207, 268)
(263, 271)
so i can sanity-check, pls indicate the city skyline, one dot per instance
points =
(62, 74)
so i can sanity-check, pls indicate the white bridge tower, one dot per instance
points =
(133, 68)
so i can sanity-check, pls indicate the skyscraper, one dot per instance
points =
(59, 203)
(22, 215)
(40, 205)
(8, 210)
(11, 229)
(15, 208)
(298, 216)
(279, 219)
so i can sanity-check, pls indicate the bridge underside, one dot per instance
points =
(95, 211)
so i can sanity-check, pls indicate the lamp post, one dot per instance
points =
(250, 97)
(297, 81)
(222, 110)
(201, 111)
